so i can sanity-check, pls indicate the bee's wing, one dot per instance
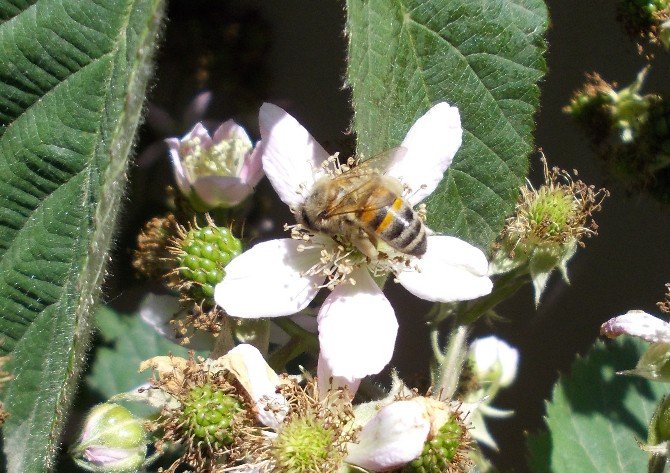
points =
(381, 161)
(360, 198)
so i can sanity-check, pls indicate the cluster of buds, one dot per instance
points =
(188, 250)
(646, 20)
(234, 413)
(603, 110)
(548, 225)
(630, 132)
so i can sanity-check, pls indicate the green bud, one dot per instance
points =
(113, 440)
(441, 452)
(209, 413)
(202, 255)
(304, 444)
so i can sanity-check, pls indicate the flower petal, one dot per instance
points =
(249, 367)
(327, 382)
(357, 328)
(431, 144)
(392, 438)
(290, 155)
(198, 131)
(638, 324)
(252, 169)
(222, 191)
(179, 172)
(494, 360)
(231, 130)
(269, 281)
(450, 270)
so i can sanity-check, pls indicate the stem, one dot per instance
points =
(224, 341)
(280, 357)
(656, 464)
(451, 365)
(296, 331)
(504, 287)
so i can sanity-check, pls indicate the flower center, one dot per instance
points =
(338, 258)
(303, 445)
(221, 159)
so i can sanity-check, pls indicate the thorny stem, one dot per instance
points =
(451, 363)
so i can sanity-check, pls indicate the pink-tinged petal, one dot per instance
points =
(200, 131)
(431, 144)
(290, 154)
(450, 270)
(392, 438)
(357, 328)
(638, 324)
(231, 130)
(198, 107)
(180, 175)
(327, 382)
(252, 168)
(107, 456)
(269, 280)
(221, 191)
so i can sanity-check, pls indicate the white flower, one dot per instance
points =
(357, 325)
(392, 438)
(394, 434)
(494, 361)
(637, 323)
(217, 171)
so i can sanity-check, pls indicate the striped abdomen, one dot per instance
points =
(398, 225)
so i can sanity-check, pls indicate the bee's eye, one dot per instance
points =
(305, 218)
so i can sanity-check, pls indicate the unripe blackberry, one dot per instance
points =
(209, 413)
(443, 453)
(202, 254)
(640, 16)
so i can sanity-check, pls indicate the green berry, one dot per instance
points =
(205, 253)
(440, 452)
(304, 444)
(208, 414)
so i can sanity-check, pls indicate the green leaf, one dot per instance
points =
(72, 84)
(485, 56)
(132, 341)
(596, 417)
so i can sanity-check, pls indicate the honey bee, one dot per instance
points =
(364, 206)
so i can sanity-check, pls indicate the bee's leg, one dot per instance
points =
(364, 243)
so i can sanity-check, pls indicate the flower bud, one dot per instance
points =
(112, 440)
(602, 110)
(493, 361)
